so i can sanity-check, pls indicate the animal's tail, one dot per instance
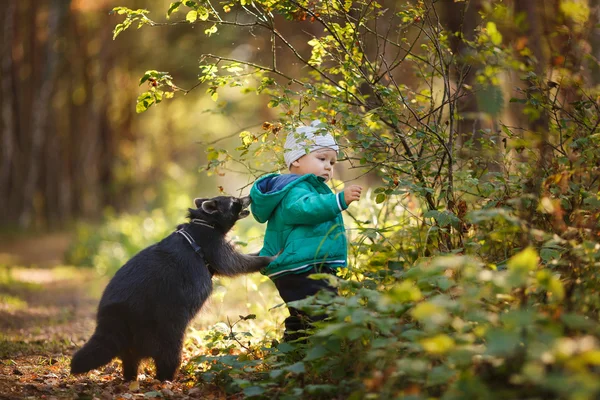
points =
(98, 351)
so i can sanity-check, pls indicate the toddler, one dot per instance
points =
(304, 220)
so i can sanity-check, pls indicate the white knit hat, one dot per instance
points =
(306, 137)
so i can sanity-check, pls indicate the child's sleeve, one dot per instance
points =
(304, 207)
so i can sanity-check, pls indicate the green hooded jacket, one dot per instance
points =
(304, 223)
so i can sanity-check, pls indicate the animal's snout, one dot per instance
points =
(246, 201)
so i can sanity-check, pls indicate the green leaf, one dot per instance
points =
(144, 101)
(517, 100)
(118, 29)
(548, 254)
(443, 218)
(575, 321)
(202, 13)
(315, 353)
(173, 8)
(380, 198)
(253, 391)
(502, 342)
(145, 77)
(297, 368)
(490, 99)
(516, 319)
(440, 375)
(285, 347)
(322, 389)
(276, 373)
(120, 10)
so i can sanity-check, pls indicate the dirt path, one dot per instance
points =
(46, 313)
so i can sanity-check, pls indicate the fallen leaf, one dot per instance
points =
(134, 386)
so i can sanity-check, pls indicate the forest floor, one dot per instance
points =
(47, 311)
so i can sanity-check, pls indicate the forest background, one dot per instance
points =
(473, 123)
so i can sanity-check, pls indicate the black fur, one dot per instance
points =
(146, 307)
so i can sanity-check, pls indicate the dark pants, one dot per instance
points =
(294, 287)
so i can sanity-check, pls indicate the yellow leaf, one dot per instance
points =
(577, 10)
(134, 386)
(520, 265)
(429, 312)
(526, 260)
(438, 344)
(591, 357)
(405, 292)
(493, 33)
(191, 16)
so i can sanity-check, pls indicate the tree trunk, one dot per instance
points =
(595, 43)
(9, 123)
(535, 11)
(40, 109)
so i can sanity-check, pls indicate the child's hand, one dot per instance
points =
(352, 193)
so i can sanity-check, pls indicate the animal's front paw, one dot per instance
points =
(273, 258)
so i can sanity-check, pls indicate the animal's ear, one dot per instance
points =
(209, 206)
(198, 202)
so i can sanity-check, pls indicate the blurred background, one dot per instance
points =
(72, 143)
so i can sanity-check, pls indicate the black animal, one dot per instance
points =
(146, 307)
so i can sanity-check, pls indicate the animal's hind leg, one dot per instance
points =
(167, 359)
(131, 363)
(166, 366)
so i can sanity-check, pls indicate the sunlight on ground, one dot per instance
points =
(8, 302)
(241, 296)
(43, 275)
(47, 294)
(48, 304)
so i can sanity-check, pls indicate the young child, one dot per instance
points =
(304, 220)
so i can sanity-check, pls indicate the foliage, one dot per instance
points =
(107, 246)
(440, 327)
(473, 270)
(448, 327)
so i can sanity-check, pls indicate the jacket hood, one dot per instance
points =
(268, 191)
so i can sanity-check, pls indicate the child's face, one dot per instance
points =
(319, 162)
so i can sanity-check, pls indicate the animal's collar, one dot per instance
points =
(197, 248)
(202, 222)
